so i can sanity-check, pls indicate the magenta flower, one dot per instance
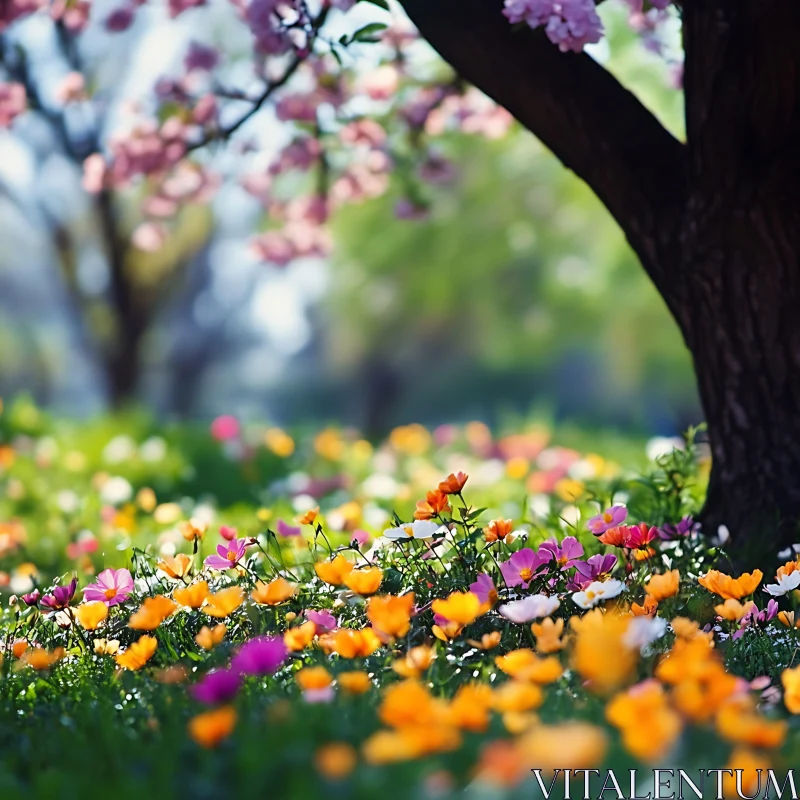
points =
(227, 533)
(228, 555)
(217, 686)
(260, 656)
(32, 598)
(112, 587)
(610, 518)
(324, 620)
(284, 529)
(520, 569)
(565, 555)
(685, 527)
(484, 589)
(60, 596)
(594, 569)
(225, 428)
(359, 538)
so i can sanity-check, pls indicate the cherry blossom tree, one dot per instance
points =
(713, 219)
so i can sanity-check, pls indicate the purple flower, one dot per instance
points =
(359, 538)
(565, 555)
(610, 518)
(520, 569)
(284, 529)
(260, 656)
(595, 568)
(32, 598)
(484, 589)
(324, 620)
(112, 587)
(228, 555)
(685, 527)
(217, 686)
(61, 596)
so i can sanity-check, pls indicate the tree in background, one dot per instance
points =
(713, 220)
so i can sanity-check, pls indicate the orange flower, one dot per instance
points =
(453, 483)
(740, 723)
(364, 581)
(209, 638)
(516, 695)
(355, 682)
(273, 593)
(447, 631)
(355, 644)
(193, 530)
(731, 588)
(19, 647)
(460, 607)
(733, 610)
(176, 566)
(311, 679)
(568, 745)
(224, 602)
(309, 517)
(787, 569)
(487, 642)
(787, 618)
(151, 613)
(90, 615)
(498, 529)
(334, 572)
(548, 635)
(415, 661)
(138, 654)
(192, 596)
(300, 637)
(434, 504)
(647, 610)
(615, 537)
(525, 665)
(336, 760)
(599, 653)
(39, 658)
(391, 615)
(661, 587)
(410, 703)
(211, 727)
(469, 708)
(790, 679)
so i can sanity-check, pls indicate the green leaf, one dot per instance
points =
(367, 33)
(380, 3)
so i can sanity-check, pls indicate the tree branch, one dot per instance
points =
(577, 108)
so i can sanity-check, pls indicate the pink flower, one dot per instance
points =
(112, 587)
(120, 19)
(610, 518)
(359, 538)
(228, 555)
(594, 569)
(571, 24)
(520, 569)
(260, 656)
(12, 102)
(565, 555)
(225, 428)
(324, 620)
(284, 529)
(227, 533)
(200, 57)
(484, 589)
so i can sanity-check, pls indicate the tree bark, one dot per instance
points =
(715, 221)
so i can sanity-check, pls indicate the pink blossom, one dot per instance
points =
(297, 108)
(437, 171)
(610, 518)
(565, 555)
(284, 529)
(227, 533)
(272, 37)
(484, 588)
(15, 9)
(200, 57)
(363, 132)
(359, 538)
(149, 237)
(112, 587)
(120, 19)
(71, 89)
(74, 14)
(522, 567)
(205, 109)
(12, 102)
(225, 428)
(382, 83)
(217, 686)
(571, 24)
(342, 5)
(229, 555)
(261, 656)
(324, 620)
(302, 153)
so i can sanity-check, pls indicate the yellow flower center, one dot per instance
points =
(109, 593)
(230, 555)
(409, 530)
(526, 573)
(607, 517)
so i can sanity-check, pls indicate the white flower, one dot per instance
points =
(597, 592)
(784, 585)
(153, 449)
(723, 535)
(116, 491)
(419, 529)
(120, 448)
(535, 606)
(789, 552)
(643, 631)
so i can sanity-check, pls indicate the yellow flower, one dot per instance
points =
(279, 442)
(191, 596)
(336, 760)
(334, 572)
(689, 629)
(364, 581)
(648, 725)
(415, 661)
(569, 745)
(661, 587)
(176, 566)
(460, 607)
(138, 654)
(740, 723)
(211, 727)
(355, 644)
(151, 613)
(599, 652)
(548, 635)
(525, 665)
(355, 682)
(409, 703)
(209, 638)
(731, 588)
(517, 696)
(106, 647)
(273, 593)
(569, 490)
(469, 708)
(90, 615)
(733, 610)
(224, 602)
(146, 498)
(390, 615)
(300, 637)
(313, 678)
(487, 642)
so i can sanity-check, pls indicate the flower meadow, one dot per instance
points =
(241, 610)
